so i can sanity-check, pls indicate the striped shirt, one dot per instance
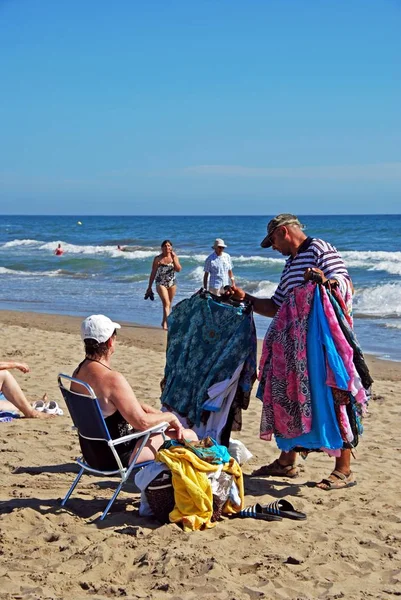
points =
(312, 253)
(218, 267)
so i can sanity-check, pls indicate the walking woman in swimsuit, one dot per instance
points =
(164, 268)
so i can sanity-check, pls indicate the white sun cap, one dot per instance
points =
(219, 243)
(98, 327)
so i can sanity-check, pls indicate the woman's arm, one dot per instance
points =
(153, 272)
(149, 409)
(176, 262)
(14, 365)
(141, 418)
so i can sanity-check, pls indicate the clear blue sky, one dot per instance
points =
(200, 106)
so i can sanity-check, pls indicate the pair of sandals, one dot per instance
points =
(52, 408)
(275, 511)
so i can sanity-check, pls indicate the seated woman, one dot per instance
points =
(121, 410)
(14, 396)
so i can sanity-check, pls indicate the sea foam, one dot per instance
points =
(379, 301)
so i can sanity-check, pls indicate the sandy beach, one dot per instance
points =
(349, 547)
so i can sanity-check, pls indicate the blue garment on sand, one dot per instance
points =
(325, 432)
(207, 340)
(8, 415)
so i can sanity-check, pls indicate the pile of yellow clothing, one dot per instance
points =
(192, 489)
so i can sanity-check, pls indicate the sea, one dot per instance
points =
(93, 276)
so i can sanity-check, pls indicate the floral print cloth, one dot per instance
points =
(283, 370)
(207, 340)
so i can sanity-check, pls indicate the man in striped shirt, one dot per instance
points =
(308, 259)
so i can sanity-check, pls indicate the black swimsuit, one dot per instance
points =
(97, 453)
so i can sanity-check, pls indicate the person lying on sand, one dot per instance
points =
(12, 392)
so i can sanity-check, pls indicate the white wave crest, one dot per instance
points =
(103, 250)
(374, 261)
(5, 271)
(258, 259)
(15, 243)
(264, 289)
(133, 255)
(379, 301)
(196, 274)
(392, 325)
(195, 257)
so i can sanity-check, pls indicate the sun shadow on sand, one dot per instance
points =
(124, 512)
(260, 486)
(65, 468)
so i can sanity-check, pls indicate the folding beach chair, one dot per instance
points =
(90, 424)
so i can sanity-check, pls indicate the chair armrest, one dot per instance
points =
(138, 434)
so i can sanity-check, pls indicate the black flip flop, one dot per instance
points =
(284, 509)
(258, 511)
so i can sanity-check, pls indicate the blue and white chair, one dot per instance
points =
(90, 424)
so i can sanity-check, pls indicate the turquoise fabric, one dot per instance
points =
(215, 454)
(206, 342)
(325, 432)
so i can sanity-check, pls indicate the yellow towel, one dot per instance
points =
(192, 489)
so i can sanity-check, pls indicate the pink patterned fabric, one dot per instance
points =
(284, 381)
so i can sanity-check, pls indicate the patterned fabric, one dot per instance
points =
(346, 352)
(206, 342)
(359, 360)
(218, 267)
(284, 379)
(313, 253)
(165, 275)
(325, 432)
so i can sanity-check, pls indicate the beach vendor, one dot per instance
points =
(309, 260)
(218, 269)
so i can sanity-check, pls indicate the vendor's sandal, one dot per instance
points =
(276, 469)
(339, 481)
(284, 509)
(257, 511)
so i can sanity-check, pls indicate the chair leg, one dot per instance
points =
(72, 488)
(112, 500)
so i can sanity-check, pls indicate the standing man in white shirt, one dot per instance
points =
(219, 266)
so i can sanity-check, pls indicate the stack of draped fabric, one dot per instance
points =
(210, 364)
(314, 382)
(203, 476)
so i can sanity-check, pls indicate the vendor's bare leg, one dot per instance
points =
(284, 466)
(342, 475)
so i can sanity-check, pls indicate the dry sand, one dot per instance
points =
(349, 547)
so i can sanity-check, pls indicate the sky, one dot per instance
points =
(166, 107)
